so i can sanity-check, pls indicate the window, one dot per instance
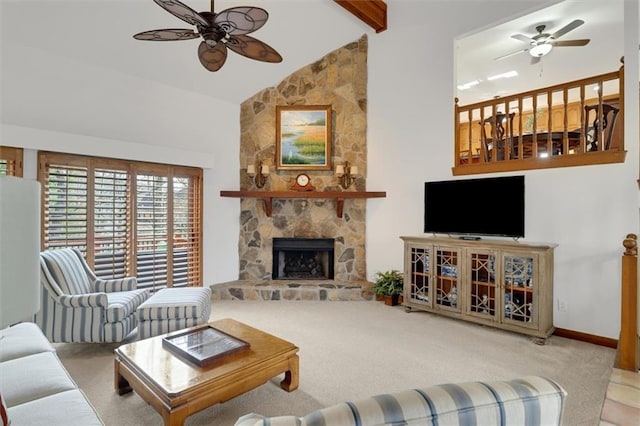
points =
(11, 161)
(127, 218)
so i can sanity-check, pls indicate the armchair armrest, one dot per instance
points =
(98, 300)
(120, 284)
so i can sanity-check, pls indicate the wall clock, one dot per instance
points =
(303, 183)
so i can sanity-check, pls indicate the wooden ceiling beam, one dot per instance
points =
(371, 12)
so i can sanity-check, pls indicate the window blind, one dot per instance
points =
(127, 218)
(187, 227)
(152, 193)
(111, 223)
(65, 208)
(11, 161)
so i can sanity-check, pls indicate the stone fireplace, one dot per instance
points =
(302, 259)
(338, 79)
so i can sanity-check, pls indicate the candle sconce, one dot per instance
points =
(259, 178)
(346, 174)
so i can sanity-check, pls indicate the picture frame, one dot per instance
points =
(204, 345)
(303, 137)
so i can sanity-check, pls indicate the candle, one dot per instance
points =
(265, 170)
(339, 170)
(251, 170)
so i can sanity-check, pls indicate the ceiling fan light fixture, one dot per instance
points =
(218, 30)
(540, 50)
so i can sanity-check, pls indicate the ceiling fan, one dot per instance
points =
(542, 43)
(219, 31)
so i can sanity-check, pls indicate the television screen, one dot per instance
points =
(486, 206)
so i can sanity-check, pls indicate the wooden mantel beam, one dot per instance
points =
(371, 12)
(268, 196)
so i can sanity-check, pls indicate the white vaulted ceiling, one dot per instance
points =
(476, 53)
(73, 65)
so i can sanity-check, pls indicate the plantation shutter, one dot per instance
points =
(127, 218)
(151, 230)
(186, 230)
(11, 161)
(65, 203)
(111, 223)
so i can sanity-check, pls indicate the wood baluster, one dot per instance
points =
(628, 342)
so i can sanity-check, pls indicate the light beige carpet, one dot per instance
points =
(352, 350)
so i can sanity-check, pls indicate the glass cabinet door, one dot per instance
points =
(482, 297)
(519, 286)
(419, 279)
(446, 278)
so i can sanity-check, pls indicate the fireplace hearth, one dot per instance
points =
(303, 259)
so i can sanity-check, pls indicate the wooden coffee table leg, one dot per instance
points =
(175, 418)
(291, 376)
(121, 384)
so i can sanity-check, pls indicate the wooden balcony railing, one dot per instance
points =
(570, 124)
(628, 355)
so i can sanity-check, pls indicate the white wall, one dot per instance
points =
(157, 123)
(587, 211)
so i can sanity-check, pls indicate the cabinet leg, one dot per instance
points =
(539, 341)
(407, 309)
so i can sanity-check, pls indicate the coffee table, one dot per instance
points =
(177, 388)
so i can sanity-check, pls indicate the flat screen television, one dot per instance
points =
(475, 207)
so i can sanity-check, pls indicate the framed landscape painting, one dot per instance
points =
(303, 137)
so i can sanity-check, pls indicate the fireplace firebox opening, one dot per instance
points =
(303, 259)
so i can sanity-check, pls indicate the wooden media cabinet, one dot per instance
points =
(503, 284)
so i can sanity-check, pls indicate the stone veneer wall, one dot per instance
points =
(338, 79)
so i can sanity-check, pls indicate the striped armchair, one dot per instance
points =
(77, 306)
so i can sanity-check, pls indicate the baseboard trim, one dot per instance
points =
(586, 337)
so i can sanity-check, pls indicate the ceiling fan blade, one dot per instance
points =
(241, 20)
(252, 48)
(578, 42)
(182, 11)
(570, 26)
(212, 58)
(522, 37)
(508, 55)
(166, 35)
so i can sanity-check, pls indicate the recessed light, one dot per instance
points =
(468, 85)
(507, 74)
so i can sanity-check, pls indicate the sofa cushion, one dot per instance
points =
(69, 408)
(21, 340)
(32, 377)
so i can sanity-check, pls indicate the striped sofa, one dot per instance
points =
(525, 401)
(77, 306)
